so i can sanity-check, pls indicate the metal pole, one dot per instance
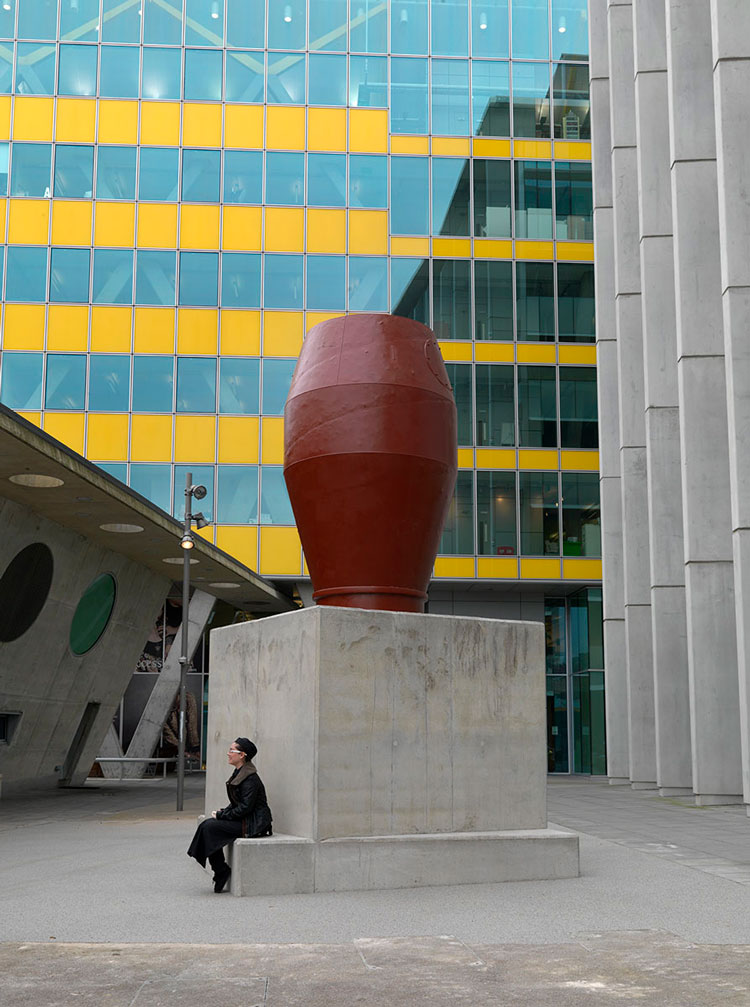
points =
(184, 648)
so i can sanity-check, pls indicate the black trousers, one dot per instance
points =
(210, 838)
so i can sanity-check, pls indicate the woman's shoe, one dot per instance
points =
(221, 877)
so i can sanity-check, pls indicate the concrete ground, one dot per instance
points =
(101, 906)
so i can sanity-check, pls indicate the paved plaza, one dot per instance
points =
(102, 906)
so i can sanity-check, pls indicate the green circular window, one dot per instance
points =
(92, 614)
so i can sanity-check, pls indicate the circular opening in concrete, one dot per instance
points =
(224, 585)
(35, 480)
(24, 587)
(93, 613)
(121, 529)
(175, 560)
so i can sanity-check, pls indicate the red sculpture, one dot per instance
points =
(370, 459)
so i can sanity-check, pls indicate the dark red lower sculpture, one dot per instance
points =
(370, 459)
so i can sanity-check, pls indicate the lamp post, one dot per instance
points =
(187, 545)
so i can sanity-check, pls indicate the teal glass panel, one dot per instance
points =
(277, 377)
(26, 273)
(237, 494)
(113, 276)
(239, 385)
(326, 179)
(8, 22)
(196, 384)
(153, 383)
(243, 176)
(368, 30)
(575, 302)
(578, 408)
(286, 78)
(586, 635)
(530, 29)
(496, 514)
(409, 27)
(115, 172)
(450, 97)
(282, 281)
(109, 382)
(450, 27)
(492, 200)
(489, 28)
(493, 300)
(326, 282)
(285, 178)
(21, 380)
(37, 19)
(539, 511)
(535, 301)
(490, 97)
(410, 188)
(570, 101)
(556, 662)
(557, 723)
(199, 279)
(245, 77)
(368, 180)
(203, 475)
(531, 90)
(93, 613)
(6, 62)
(368, 81)
(328, 24)
(275, 507)
(581, 524)
(155, 277)
(458, 532)
(570, 29)
(119, 71)
(121, 22)
(204, 69)
(533, 192)
(408, 106)
(35, 68)
(201, 173)
(162, 23)
(574, 212)
(30, 169)
(158, 178)
(368, 283)
(287, 24)
(162, 73)
(450, 196)
(69, 275)
(74, 171)
(537, 407)
(246, 24)
(451, 298)
(79, 21)
(77, 73)
(410, 288)
(461, 382)
(118, 470)
(327, 84)
(4, 159)
(240, 280)
(204, 22)
(496, 410)
(66, 381)
(154, 482)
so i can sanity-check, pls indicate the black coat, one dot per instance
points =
(247, 803)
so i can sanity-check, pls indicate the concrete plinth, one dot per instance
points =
(396, 749)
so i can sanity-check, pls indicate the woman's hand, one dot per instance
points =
(213, 814)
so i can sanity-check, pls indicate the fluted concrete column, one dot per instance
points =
(730, 31)
(668, 620)
(633, 462)
(709, 581)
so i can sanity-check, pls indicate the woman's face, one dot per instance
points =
(236, 756)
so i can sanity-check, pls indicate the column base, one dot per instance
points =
(643, 784)
(675, 791)
(711, 800)
(618, 781)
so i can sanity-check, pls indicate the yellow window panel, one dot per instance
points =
(454, 566)
(455, 351)
(33, 417)
(23, 327)
(451, 146)
(71, 222)
(280, 552)
(503, 567)
(242, 229)
(76, 120)
(66, 427)
(492, 248)
(368, 130)
(417, 247)
(326, 230)
(410, 145)
(326, 129)
(536, 353)
(114, 224)
(157, 225)
(540, 569)
(207, 533)
(160, 123)
(151, 438)
(272, 440)
(240, 542)
(313, 317)
(107, 437)
(534, 250)
(197, 330)
(368, 231)
(199, 226)
(110, 328)
(118, 121)
(282, 333)
(579, 461)
(536, 459)
(575, 251)
(195, 439)
(239, 333)
(68, 327)
(32, 118)
(487, 147)
(201, 125)
(532, 148)
(452, 248)
(238, 440)
(582, 569)
(5, 117)
(576, 354)
(3, 215)
(465, 458)
(496, 352)
(284, 229)
(28, 221)
(243, 125)
(285, 128)
(567, 150)
(496, 458)
(154, 330)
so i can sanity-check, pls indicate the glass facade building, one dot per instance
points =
(189, 186)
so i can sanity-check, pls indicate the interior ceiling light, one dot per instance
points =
(404, 17)
(176, 560)
(483, 21)
(36, 481)
(562, 26)
(121, 529)
(215, 10)
(288, 13)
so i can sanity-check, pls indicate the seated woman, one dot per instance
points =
(247, 815)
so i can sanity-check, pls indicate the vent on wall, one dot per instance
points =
(8, 724)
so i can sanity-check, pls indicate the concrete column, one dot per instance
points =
(668, 619)
(709, 576)
(616, 689)
(633, 462)
(730, 32)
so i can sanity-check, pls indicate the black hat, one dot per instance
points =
(245, 745)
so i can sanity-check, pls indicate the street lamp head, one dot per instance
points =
(187, 541)
(198, 492)
(200, 521)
